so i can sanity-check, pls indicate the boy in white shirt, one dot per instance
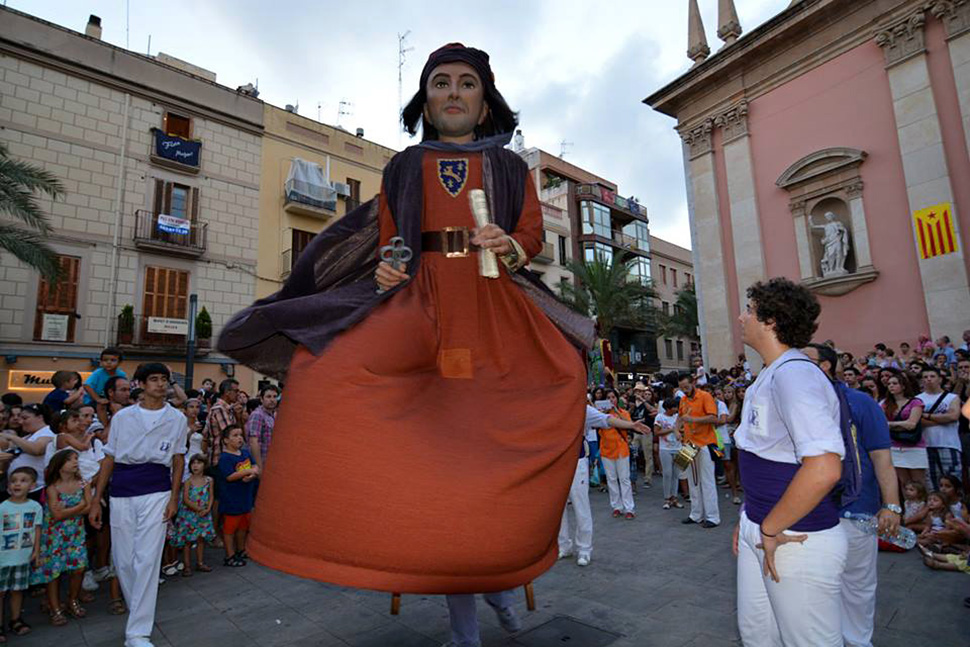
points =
(145, 455)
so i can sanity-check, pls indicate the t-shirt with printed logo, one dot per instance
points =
(19, 523)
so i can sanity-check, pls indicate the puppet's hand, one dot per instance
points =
(388, 277)
(492, 238)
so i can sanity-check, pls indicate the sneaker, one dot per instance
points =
(666, 505)
(101, 574)
(563, 554)
(170, 569)
(629, 515)
(687, 521)
(508, 619)
(737, 500)
(616, 513)
(647, 484)
(89, 583)
(708, 524)
(138, 642)
(678, 504)
(583, 560)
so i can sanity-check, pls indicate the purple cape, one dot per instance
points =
(332, 285)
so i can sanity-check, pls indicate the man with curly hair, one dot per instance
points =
(790, 450)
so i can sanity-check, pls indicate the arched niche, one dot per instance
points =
(829, 181)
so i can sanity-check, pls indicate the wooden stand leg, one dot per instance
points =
(395, 604)
(530, 597)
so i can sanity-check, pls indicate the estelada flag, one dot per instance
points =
(934, 230)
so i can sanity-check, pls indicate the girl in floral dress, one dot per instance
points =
(62, 543)
(194, 523)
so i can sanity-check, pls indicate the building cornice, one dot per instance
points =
(123, 70)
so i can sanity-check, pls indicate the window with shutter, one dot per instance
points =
(166, 295)
(56, 315)
(177, 125)
(300, 240)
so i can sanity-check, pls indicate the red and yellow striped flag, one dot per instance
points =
(934, 230)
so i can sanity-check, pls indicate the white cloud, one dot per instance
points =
(577, 70)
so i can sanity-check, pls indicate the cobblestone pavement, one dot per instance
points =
(652, 582)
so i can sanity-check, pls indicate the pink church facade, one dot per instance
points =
(853, 114)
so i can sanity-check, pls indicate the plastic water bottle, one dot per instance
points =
(904, 537)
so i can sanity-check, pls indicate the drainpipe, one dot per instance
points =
(109, 330)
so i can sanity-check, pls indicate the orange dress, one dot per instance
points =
(430, 448)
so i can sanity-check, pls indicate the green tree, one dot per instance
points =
(607, 292)
(683, 321)
(20, 183)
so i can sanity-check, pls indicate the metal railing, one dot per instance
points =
(148, 234)
(136, 333)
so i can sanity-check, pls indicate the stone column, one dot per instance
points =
(749, 261)
(945, 287)
(955, 15)
(717, 327)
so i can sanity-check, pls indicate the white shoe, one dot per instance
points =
(102, 574)
(563, 554)
(583, 560)
(89, 583)
(138, 641)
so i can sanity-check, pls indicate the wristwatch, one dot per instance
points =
(892, 507)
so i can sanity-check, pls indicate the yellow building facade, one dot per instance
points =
(291, 212)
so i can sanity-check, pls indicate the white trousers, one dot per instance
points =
(137, 539)
(463, 613)
(582, 540)
(618, 482)
(859, 586)
(804, 608)
(703, 488)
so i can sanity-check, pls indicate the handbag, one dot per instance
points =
(906, 436)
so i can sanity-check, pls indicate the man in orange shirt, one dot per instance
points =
(695, 423)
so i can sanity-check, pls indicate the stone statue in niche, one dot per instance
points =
(835, 245)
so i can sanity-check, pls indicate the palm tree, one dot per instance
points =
(683, 322)
(19, 184)
(605, 291)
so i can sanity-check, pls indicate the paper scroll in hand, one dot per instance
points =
(487, 261)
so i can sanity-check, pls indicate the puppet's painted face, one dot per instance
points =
(456, 102)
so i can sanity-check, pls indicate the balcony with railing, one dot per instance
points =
(626, 208)
(163, 335)
(164, 233)
(177, 153)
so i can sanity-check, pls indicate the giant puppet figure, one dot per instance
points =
(432, 416)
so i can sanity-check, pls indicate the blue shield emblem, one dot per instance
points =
(452, 175)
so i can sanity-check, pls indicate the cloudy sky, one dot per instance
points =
(577, 71)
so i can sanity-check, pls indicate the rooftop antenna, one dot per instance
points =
(319, 105)
(343, 108)
(149, 52)
(401, 56)
(564, 148)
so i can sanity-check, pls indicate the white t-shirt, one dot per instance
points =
(667, 442)
(940, 435)
(595, 419)
(722, 430)
(29, 460)
(132, 441)
(88, 461)
(790, 412)
(701, 376)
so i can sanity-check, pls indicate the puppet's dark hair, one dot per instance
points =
(501, 118)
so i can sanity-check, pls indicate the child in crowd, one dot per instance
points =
(94, 385)
(20, 545)
(66, 393)
(239, 474)
(664, 428)
(952, 491)
(914, 506)
(194, 523)
(72, 434)
(937, 514)
(191, 410)
(63, 547)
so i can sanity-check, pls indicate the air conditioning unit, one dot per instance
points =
(342, 189)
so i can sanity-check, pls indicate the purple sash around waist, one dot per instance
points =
(143, 478)
(765, 482)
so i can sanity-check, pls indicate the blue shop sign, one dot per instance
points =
(172, 147)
